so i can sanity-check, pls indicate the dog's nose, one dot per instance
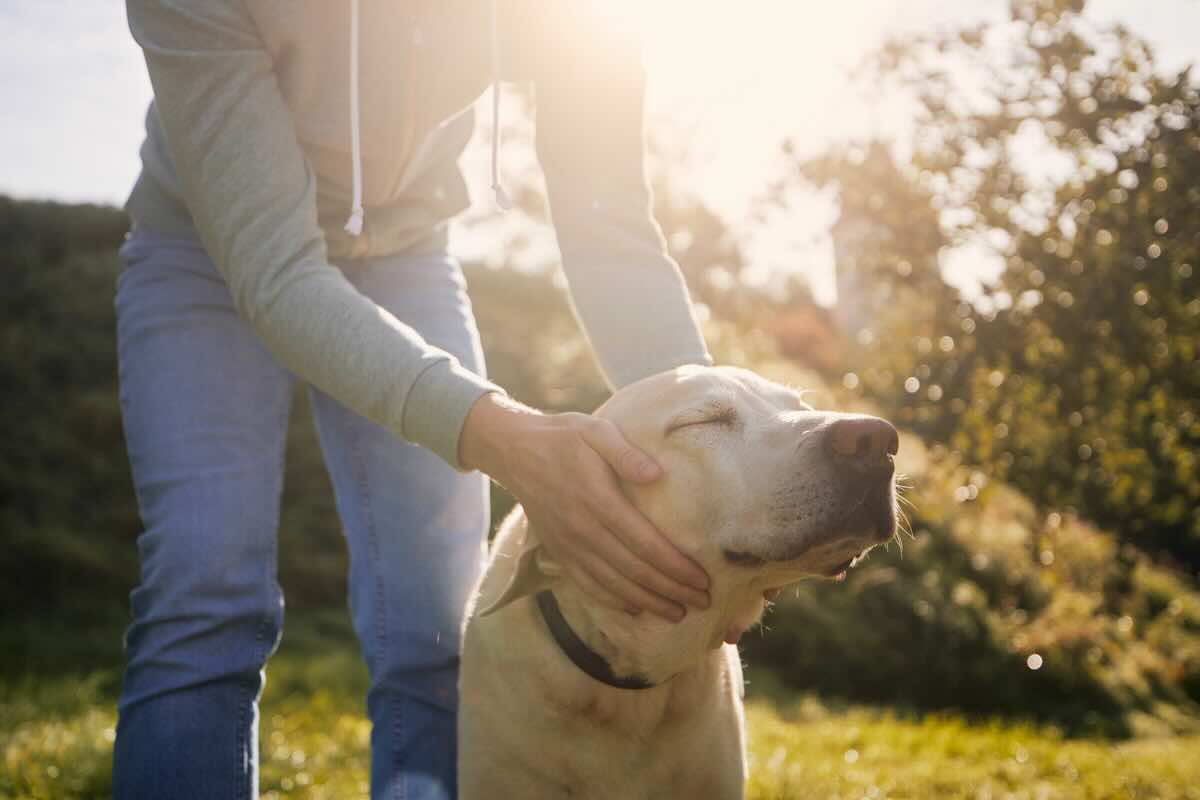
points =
(864, 443)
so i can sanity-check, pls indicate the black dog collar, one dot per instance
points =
(580, 654)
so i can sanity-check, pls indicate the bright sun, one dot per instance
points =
(735, 80)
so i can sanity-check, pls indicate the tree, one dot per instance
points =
(1075, 376)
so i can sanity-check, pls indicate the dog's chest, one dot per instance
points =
(684, 739)
(692, 758)
(575, 700)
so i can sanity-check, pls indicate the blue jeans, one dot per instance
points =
(205, 409)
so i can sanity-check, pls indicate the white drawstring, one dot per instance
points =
(354, 224)
(502, 199)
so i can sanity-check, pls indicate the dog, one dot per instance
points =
(561, 698)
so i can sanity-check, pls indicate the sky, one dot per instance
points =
(739, 78)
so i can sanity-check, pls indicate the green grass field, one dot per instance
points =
(56, 737)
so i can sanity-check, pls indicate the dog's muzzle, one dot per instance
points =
(849, 510)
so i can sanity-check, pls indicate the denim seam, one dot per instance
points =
(380, 610)
(260, 649)
(364, 494)
(243, 786)
(243, 739)
(400, 784)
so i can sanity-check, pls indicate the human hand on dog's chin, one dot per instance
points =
(563, 470)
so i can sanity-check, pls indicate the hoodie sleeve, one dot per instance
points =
(589, 88)
(252, 197)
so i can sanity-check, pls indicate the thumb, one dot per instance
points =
(630, 463)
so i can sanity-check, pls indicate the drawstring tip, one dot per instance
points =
(503, 201)
(354, 225)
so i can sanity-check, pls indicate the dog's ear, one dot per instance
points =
(534, 571)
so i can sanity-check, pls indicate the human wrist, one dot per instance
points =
(488, 431)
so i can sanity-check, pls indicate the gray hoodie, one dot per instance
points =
(252, 146)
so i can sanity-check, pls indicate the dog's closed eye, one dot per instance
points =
(715, 415)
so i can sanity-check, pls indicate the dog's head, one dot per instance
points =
(756, 480)
(759, 488)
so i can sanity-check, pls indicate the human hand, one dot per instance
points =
(563, 469)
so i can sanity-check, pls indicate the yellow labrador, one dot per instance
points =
(561, 698)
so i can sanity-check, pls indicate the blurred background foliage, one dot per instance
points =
(1050, 423)
(1076, 376)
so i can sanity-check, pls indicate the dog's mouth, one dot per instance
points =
(838, 572)
(867, 522)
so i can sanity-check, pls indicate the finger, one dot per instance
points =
(770, 594)
(598, 594)
(612, 550)
(630, 592)
(646, 542)
(630, 463)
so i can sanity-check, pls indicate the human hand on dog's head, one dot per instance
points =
(565, 470)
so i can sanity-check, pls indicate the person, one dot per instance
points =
(290, 224)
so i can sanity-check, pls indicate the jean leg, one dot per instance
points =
(416, 531)
(205, 411)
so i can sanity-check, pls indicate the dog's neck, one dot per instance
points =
(652, 648)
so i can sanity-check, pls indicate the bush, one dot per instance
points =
(987, 581)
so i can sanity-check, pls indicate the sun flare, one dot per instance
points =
(732, 82)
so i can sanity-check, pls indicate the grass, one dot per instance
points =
(808, 752)
(56, 734)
